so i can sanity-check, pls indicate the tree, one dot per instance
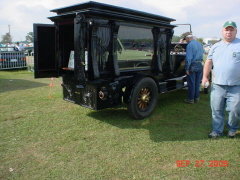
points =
(200, 40)
(29, 37)
(175, 38)
(183, 35)
(7, 38)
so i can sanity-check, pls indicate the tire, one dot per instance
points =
(144, 98)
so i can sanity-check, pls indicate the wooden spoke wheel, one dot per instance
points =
(144, 98)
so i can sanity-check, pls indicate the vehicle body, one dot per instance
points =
(103, 73)
(28, 51)
(127, 45)
(143, 47)
(10, 59)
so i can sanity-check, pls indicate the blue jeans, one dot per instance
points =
(194, 80)
(225, 96)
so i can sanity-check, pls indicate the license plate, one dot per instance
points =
(14, 60)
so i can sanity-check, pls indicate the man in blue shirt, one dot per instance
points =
(194, 68)
(224, 57)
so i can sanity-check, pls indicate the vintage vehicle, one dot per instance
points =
(84, 47)
(10, 59)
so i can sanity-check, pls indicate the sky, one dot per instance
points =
(205, 16)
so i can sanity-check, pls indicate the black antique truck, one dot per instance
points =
(107, 55)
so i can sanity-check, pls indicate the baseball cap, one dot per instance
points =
(187, 35)
(230, 23)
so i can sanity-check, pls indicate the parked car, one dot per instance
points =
(143, 47)
(127, 45)
(10, 59)
(3, 47)
(28, 51)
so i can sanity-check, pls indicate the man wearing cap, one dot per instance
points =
(224, 57)
(194, 68)
(18, 47)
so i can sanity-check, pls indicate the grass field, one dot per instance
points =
(43, 137)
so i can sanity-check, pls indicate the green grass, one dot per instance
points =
(44, 137)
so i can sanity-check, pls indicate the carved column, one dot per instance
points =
(79, 44)
(115, 27)
(94, 49)
(156, 60)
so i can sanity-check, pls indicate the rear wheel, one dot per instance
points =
(144, 98)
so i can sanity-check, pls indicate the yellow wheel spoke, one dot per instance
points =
(143, 98)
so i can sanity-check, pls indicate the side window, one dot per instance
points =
(135, 47)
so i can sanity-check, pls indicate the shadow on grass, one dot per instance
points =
(172, 120)
(18, 84)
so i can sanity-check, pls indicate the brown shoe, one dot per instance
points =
(188, 101)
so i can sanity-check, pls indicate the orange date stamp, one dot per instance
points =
(201, 163)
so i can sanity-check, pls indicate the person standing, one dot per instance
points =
(193, 67)
(224, 57)
(19, 47)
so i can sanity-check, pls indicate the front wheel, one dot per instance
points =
(144, 98)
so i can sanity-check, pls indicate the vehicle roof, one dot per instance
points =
(100, 10)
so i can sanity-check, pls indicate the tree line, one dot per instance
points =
(177, 39)
(7, 38)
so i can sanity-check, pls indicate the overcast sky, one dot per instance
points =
(205, 16)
